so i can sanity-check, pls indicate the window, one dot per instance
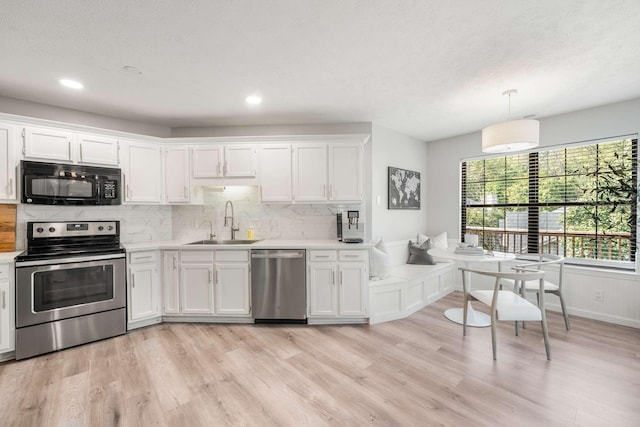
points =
(578, 201)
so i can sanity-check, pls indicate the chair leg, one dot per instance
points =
(517, 330)
(564, 310)
(464, 315)
(545, 334)
(493, 333)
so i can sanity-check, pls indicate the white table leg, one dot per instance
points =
(474, 318)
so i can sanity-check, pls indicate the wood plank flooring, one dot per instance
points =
(413, 372)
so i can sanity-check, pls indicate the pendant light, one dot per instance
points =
(512, 135)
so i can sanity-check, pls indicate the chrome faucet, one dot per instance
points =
(212, 235)
(226, 219)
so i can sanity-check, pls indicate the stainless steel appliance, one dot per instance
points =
(350, 228)
(278, 286)
(61, 184)
(70, 286)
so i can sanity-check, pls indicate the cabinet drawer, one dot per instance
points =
(4, 271)
(322, 256)
(196, 256)
(353, 255)
(143, 257)
(241, 256)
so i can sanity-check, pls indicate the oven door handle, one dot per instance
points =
(55, 261)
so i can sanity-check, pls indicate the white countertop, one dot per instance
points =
(260, 244)
(7, 257)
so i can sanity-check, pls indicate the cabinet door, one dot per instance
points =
(232, 289)
(239, 160)
(196, 285)
(170, 283)
(275, 173)
(143, 179)
(322, 289)
(47, 144)
(7, 163)
(345, 172)
(98, 150)
(353, 289)
(206, 161)
(7, 326)
(310, 172)
(177, 175)
(144, 295)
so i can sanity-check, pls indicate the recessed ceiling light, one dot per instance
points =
(71, 84)
(253, 99)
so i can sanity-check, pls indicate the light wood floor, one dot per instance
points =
(413, 372)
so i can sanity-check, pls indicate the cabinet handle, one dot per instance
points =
(118, 156)
(175, 264)
(145, 257)
(4, 300)
(333, 279)
(324, 190)
(225, 168)
(322, 256)
(81, 159)
(341, 278)
(24, 141)
(210, 279)
(218, 169)
(133, 280)
(10, 186)
(351, 256)
(217, 278)
(69, 147)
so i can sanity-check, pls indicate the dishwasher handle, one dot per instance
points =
(293, 255)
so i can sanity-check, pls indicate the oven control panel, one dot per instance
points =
(73, 229)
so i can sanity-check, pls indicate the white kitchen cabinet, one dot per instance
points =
(310, 172)
(232, 289)
(98, 150)
(47, 144)
(8, 164)
(275, 173)
(239, 161)
(223, 161)
(7, 307)
(143, 173)
(144, 287)
(337, 285)
(176, 176)
(323, 296)
(196, 284)
(170, 282)
(345, 172)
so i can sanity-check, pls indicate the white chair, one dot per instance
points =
(507, 305)
(540, 262)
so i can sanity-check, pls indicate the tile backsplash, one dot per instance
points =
(138, 223)
(144, 223)
(269, 221)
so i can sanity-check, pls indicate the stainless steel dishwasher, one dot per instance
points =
(278, 286)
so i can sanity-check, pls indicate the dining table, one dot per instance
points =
(474, 318)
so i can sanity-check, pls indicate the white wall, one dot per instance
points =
(66, 115)
(443, 156)
(390, 148)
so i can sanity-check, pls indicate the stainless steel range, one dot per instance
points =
(70, 286)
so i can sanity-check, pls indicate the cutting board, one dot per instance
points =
(7, 228)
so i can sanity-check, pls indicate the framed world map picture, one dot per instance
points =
(404, 189)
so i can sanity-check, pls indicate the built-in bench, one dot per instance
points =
(409, 287)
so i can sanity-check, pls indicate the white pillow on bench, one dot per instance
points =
(439, 241)
(379, 262)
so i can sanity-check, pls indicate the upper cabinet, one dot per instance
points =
(142, 172)
(275, 173)
(345, 172)
(176, 174)
(309, 172)
(8, 164)
(98, 150)
(48, 144)
(223, 161)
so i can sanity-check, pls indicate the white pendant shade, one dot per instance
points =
(513, 135)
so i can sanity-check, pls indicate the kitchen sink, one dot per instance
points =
(223, 242)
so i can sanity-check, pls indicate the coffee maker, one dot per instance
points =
(350, 229)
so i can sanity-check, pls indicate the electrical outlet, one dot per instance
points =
(598, 295)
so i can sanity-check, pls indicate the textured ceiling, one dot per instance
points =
(427, 68)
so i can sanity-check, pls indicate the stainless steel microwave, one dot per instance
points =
(61, 184)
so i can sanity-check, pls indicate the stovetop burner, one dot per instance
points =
(51, 240)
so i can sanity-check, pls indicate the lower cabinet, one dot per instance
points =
(337, 285)
(7, 317)
(203, 283)
(143, 299)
